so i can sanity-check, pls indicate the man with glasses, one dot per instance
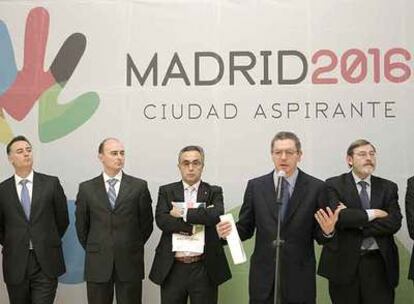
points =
(303, 196)
(196, 271)
(361, 261)
(113, 221)
(33, 220)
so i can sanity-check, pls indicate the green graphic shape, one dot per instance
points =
(236, 290)
(57, 120)
(6, 133)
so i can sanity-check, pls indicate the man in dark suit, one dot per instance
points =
(409, 209)
(33, 219)
(361, 261)
(303, 195)
(113, 222)
(194, 274)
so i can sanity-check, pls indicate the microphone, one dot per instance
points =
(280, 175)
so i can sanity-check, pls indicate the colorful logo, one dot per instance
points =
(20, 90)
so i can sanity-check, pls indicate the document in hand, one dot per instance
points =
(192, 243)
(233, 240)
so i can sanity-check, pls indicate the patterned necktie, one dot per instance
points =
(25, 197)
(285, 198)
(363, 195)
(191, 197)
(112, 192)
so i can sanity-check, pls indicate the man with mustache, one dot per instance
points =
(361, 261)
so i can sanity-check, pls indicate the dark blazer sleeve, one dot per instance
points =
(391, 223)
(166, 222)
(60, 208)
(246, 223)
(209, 216)
(146, 217)
(82, 216)
(409, 206)
(349, 217)
(352, 218)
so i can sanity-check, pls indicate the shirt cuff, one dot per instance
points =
(329, 236)
(185, 210)
(371, 215)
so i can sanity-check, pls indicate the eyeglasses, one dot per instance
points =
(363, 154)
(194, 163)
(288, 153)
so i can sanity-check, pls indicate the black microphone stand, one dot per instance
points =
(278, 242)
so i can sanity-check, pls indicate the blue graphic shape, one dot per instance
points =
(72, 251)
(8, 68)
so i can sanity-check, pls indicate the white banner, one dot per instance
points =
(226, 75)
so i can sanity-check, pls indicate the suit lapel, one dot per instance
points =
(101, 194)
(36, 195)
(14, 198)
(376, 193)
(352, 199)
(179, 192)
(124, 190)
(297, 197)
(269, 193)
(203, 193)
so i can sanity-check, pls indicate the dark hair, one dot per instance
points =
(16, 139)
(286, 135)
(102, 144)
(358, 143)
(192, 148)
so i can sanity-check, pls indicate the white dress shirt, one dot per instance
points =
(118, 177)
(29, 185)
(190, 196)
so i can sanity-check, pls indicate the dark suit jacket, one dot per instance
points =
(409, 209)
(48, 222)
(215, 259)
(340, 258)
(114, 237)
(259, 212)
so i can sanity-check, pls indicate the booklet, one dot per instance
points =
(233, 240)
(192, 243)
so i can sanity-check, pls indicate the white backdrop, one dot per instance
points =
(237, 148)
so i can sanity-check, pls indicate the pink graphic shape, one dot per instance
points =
(32, 80)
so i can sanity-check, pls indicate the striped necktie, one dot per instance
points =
(111, 191)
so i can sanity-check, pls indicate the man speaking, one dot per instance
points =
(303, 196)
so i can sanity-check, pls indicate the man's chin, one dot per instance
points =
(369, 171)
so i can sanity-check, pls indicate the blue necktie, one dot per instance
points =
(25, 198)
(285, 198)
(112, 192)
(363, 195)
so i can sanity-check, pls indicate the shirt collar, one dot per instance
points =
(290, 179)
(118, 177)
(357, 179)
(195, 186)
(18, 179)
